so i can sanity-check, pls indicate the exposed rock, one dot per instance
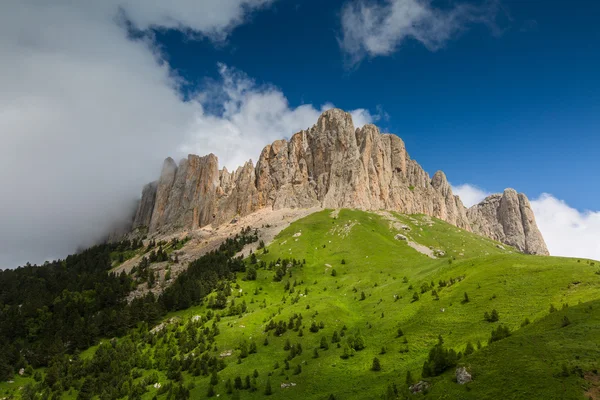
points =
(420, 387)
(400, 237)
(508, 218)
(439, 253)
(143, 216)
(463, 376)
(331, 165)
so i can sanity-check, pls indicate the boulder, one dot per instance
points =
(463, 376)
(420, 387)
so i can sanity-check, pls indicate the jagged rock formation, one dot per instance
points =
(508, 218)
(331, 165)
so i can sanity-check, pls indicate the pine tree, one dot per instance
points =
(268, 390)
(211, 391)
(376, 365)
(214, 379)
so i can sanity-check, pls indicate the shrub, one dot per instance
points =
(363, 296)
(469, 349)
(565, 321)
(439, 360)
(499, 333)
(415, 297)
(268, 390)
(343, 261)
(376, 365)
(493, 317)
(400, 333)
(333, 272)
(466, 299)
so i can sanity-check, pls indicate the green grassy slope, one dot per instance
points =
(517, 286)
(527, 365)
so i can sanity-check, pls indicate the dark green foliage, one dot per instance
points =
(268, 390)
(251, 273)
(499, 333)
(211, 391)
(333, 272)
(415, 297)
(363, 296)
(466, 298)
(565, 321)
(491, 317)
(400, 333)
(376, 366)
(469, 349)
(439, 360)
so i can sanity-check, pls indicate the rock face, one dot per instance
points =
(508, 218)
(331, 165)
(463, 376)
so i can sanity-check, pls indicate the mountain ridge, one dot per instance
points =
(330, 165)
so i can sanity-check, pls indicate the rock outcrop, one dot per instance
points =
(508, 218)
(331, 165)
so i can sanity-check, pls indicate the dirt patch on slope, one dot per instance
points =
(203, 240)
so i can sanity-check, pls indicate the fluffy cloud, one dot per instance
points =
(470, 194)
(372, 29)
(568, 232)
(87, 114)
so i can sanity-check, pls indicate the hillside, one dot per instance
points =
(357, 280)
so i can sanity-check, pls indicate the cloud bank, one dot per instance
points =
(567, 231)
(87, 114)
(371, 29)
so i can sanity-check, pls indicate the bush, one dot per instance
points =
(251, 273)
(333, 272)
(440, 359)
(343, 261)
(493, 317)
(499, 333)
(376, 365)
(415, 297)
(466, 299)
(469, 349)
(565, 321)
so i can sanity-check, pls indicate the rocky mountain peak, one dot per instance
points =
(508, 218)
(330, 165)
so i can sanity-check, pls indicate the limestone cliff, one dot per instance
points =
(331, 165)
(508, 218)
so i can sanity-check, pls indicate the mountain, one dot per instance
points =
(331, 165)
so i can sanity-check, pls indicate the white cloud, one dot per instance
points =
(567, 231)
(372, 29)
(87, 115)
(470, 194)
(252, 116)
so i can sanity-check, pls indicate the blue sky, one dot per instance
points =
(496, 93)
(516, 108)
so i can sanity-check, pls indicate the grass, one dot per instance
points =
(526, 365)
